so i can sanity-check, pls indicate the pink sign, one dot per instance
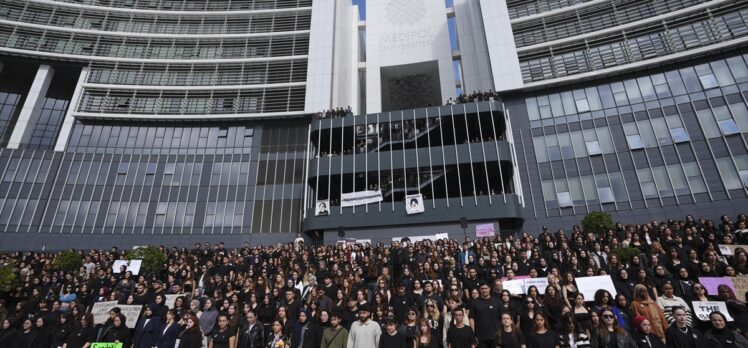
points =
(711, 284)
(484, 230)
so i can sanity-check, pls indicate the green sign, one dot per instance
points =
(106, 345)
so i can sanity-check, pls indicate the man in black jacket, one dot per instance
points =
(252, 335)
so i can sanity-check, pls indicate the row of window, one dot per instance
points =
(519, 9)
(584, 190)
(196, 5)
(660, 39)
(190, 103)
(77, 18)
(144, 48)
(593, 18)
(719, 73)
(203, 75)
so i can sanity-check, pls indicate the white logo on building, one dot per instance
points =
(405, 12)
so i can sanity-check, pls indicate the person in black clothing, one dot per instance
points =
(7, 334)
(224, 336)
(252, 334)
(61, 331)
(25, 338)
(147, 329)
(643, 334)
(401, 302)
(83, 334)
(484, 317)
(119, 332)
(679, 334)
(191, 337)
(43, 333)
(541, 335)
(391, 338)
(460, 335)
(509, 336)
(307, 333)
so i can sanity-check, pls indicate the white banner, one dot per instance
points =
(414, 204)
(360, 197)
(515, 286)
(703, 308)
(589, 285)
(100, 312)
(170, 299)
(132, 266)
(540, 283)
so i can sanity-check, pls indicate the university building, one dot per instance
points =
(176, 121)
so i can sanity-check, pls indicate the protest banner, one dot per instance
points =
(132, 266)
(702, 309)
(540, 283)
(100, 312)
(741, 287)
(729, 249)
(589, 285)
(515, 286)
(170, 299)
(484, 230)
(711, 283)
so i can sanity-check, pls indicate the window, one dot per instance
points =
(728, 126)
(606, 195)
(223, 132)
(564, 199)
(708, 81)
(633, 138)
(679, 135)
(151, 168)
(728, 173)
(695, 180)
(122, 168)
(593, 147)
(649, 189)
(743, 177)
(583, 105)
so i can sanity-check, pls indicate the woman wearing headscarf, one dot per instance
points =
(720, 336)
(208, 320)
(307, 333)
(644, 306)
(623, 284)
(643, 334)
(119, 332)
(148, 328)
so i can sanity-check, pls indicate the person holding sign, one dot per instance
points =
(720, 335)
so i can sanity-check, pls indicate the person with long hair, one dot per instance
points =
(61, 331)
(409, 328)
(541, 335)
(167, 337)
(644, 306)
(581, 312)
(603, 299)
(425, 337)
(643, 334)
(571, 334)
(553, 303)
(569, 289)
(719, 335)
(609, 334)
(508, 335)
(224, 336)
(191, 337)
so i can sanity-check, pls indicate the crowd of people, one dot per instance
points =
(334, 113)
(476, 96)
(427, 294)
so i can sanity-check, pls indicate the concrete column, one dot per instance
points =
(67, 124)
(32, 107)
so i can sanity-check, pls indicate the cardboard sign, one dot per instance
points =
(170, 299)
(484, 230)
(702, 309)
(589, 285)
(515, 286)
(132, 266)
(711, 283)
(741, 287)
(106, 345)
(540, 283)
(100, 312)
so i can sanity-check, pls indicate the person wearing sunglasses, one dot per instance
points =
(609, 334)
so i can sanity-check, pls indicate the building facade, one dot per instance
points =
(177, 121)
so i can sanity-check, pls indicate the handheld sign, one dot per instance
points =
(589, 285)
(106, 345)
(702, 309)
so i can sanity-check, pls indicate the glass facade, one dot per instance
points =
(666, 138)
